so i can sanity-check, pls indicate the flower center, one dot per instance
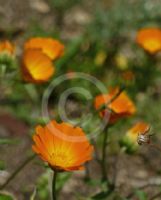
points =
(61, 159)
(152, 45)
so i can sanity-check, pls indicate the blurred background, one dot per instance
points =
(99, 39)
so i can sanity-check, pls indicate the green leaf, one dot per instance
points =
(73, 49)
(8, 141)
(100, 196)
(6, 197)
(62, 179)
(93, 182)
(42, 186)
(141, 195)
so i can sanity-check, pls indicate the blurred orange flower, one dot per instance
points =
(52, 48)
(128, 75)
(7, 46)
(149, 39)
(120, 107)
(36, 66)
(53, 146)
(138, 128)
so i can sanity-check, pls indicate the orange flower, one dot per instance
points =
(120, 107)
(138, 128)
(52, 48)
(149, 39)
(36, 66)
(7, 47)
(62, 146)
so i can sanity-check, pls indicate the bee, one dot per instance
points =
(144, 137)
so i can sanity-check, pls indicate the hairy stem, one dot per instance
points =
(13, 175)
(54, 186)
(104, 155)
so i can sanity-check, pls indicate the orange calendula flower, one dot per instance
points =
(150, 39)
(139, 128)
(52, 48)
(7, 47)
(36, 66)
(120, 107)
(62, 146)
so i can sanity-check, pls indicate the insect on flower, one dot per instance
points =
(144, 137)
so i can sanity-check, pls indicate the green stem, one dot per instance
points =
(87, 172)
(54, 186)
(103, 163)
(29, 159)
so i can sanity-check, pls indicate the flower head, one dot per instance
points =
(119, 107)
(135, 136)
(36, 66)
(149, 39)
(54, 145)
(52, 48)
(7, 47)
(7, 57)
(138, 128)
